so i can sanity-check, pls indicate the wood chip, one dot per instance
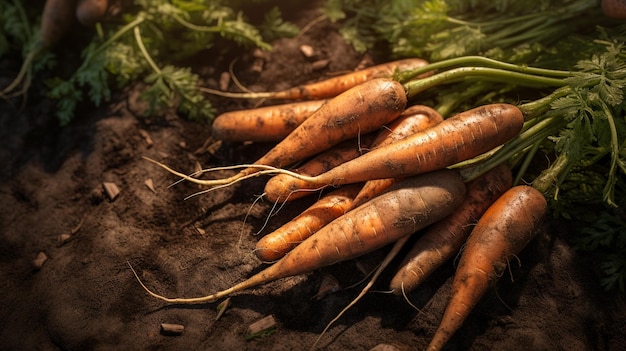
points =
(261, 326)
(40, 260)
(150, 185)
(172, 329)
(111, 190)
(64, 238)
(222, 307)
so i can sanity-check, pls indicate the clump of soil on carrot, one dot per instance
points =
(85, 297)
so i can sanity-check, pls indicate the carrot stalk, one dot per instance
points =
(502, 232)
(410, 206)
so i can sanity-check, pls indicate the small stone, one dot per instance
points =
(307, 51)
(224, 81)
(111, 190)
(320, 64)
(40, 260)
(384, 347)
(146, 137)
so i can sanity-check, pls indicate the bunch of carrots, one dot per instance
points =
(389, 165)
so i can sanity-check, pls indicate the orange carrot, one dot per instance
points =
(90, 12)
(502, 232)
(456, 139)
(414, 119)
(444, 239)
(322, 162)
(411, 205)
(331, 87)
(276, 244)
(358, 111)
(267, 123)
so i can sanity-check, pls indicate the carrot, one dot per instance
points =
(276, 244)
(357, 111)
(456, 139)
(444, 239)
(411, 205)
(333, 86)
(502, 232)
(90, 12)
(614, 8)
(262, 124)
(414, 119)
(56, 19)
(320, 163)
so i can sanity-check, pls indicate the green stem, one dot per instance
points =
(406, 76)
(145, 53)
(417, 86)
(136, 22)
(526, 163)
(537, 107)
(608, 189)
(471, 169)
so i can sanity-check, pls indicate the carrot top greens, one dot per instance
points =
(144, 44)
(562, 62)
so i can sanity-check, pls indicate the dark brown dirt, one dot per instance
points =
(86, 298)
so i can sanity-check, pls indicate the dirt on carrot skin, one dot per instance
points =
(85, 297)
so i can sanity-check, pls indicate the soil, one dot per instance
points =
(85, 296)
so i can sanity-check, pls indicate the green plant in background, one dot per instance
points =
(154, 35)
